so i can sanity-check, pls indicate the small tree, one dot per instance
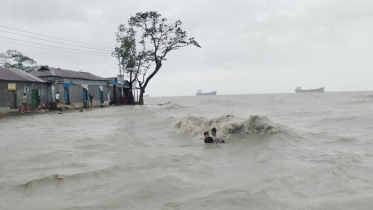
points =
(126, 52)
(16, 60)
(157, 39)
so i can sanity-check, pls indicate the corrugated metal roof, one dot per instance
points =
(110, 78)
(46, 71)
(17, 75)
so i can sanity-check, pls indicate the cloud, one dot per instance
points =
(43, 11)
(277, 42)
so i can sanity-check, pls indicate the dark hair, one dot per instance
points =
(206, 133)
(57, 91)
(24, 94)
(213, 130)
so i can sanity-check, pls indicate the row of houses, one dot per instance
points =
(42, 85)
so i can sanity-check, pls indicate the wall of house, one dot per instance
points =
(24, 87)
(59, 88)
(95, 91)
(4, 98)
(118, 93)
(85, 82)
(76, 95)
(76, 90)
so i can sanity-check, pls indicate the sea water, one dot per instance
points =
(282, 151)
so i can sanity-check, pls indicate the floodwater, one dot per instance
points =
(283, 151)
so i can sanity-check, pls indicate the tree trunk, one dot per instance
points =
(141, 99)
(131, 98)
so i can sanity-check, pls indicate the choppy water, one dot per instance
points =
(283, 151)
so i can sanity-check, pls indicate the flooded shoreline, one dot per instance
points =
(133, 157)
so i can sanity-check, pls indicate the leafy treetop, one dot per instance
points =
(16, 60)
(162, 37)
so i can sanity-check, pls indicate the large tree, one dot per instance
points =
(16, 60)
(156, 39)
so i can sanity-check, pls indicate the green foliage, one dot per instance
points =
(156, 39)
(16, 60)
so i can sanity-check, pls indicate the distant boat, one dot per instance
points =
(299, 90)
(199, 93)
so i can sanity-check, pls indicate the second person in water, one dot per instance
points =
(210, 140)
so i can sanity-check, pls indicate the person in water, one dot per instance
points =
(208, 139)
(41, 107)
(218, 139)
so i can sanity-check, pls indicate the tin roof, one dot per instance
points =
(46, 71)
(18, 75)
(110, 78)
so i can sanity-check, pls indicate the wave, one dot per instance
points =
(227, 125)
(72, 176)
(362, 98)
(171, 105)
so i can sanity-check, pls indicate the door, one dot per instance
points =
(34, 99)
(66, 96)
(12, 99)
(101, 96)
(85, 98)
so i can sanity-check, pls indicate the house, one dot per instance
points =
(117, 90)
(14, 83)
(74, 87)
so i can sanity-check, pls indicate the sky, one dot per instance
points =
(248, 47)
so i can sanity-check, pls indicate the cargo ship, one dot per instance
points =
(199, 93)
(299, 90)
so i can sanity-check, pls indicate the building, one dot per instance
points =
(74, 87)
(14, 83)
(117, 90)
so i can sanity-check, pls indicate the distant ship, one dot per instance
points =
(199, 93)
(299, 90)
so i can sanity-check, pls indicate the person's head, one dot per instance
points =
(24, 94)
(213, 131)
(206, 134)
(57, 92)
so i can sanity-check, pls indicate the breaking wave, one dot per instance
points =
(227, 125)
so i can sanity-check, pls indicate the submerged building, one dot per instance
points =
(14, 83)
(74, 87)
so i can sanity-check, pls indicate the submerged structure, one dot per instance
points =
(299, 90)
(199, 93)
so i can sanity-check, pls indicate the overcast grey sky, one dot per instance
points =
(262, 46)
